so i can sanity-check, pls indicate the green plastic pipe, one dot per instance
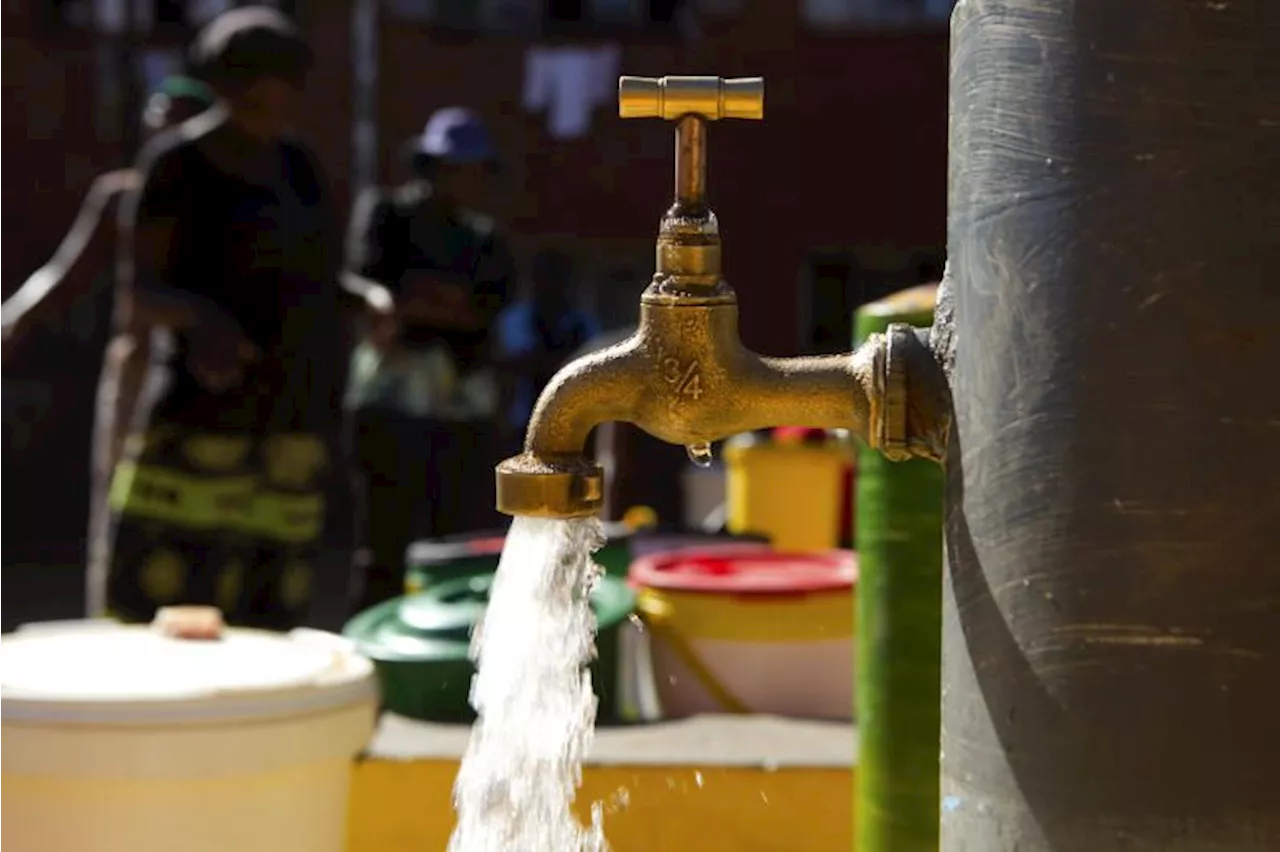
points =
(898, 632)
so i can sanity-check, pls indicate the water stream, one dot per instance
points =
(537, 712)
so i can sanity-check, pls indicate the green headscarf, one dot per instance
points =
(188, 88)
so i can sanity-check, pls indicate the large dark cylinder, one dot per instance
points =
(1111, 621)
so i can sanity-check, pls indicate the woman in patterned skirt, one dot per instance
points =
(220, 498)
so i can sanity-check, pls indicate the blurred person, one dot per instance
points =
(219, 497)
(81, 278)
(535, 337)
(423, 390)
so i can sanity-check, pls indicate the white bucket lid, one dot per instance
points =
(96, 672)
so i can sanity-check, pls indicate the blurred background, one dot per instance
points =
(837, 199)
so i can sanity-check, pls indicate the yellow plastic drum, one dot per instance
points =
(792, 492)
(117, 739)
(751, 631)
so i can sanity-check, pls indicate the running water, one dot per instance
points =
(523, 766)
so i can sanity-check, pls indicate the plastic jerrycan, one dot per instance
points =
(791, 491)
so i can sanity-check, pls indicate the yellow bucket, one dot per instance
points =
(791, 492)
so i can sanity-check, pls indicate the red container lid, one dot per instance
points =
(487, 546)
(798, 434)
(747, 572)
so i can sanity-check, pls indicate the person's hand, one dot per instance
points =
(463, 316)
(217, 354)
(448, 293)
(383, 318)
(440, 298)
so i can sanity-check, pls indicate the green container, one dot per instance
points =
(419, 645)
(431, 562)
(899, 629)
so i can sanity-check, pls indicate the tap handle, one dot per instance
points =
(691, 102)
(672, 98)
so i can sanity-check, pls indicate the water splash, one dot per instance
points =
(700, 454)
(523, 766)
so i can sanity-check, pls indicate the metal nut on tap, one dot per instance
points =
(673, 97)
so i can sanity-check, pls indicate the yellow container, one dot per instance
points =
(791, 492)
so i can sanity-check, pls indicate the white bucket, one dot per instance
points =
(117, 739)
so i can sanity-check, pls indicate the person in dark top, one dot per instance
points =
(79, 282)
(423, 390)
(536, 335)
(219, 500)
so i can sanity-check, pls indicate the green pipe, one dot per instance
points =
(898, 633)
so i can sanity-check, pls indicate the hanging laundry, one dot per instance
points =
(569, 83)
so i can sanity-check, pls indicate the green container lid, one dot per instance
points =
(432, 562)
(438, 622)
(444, 551)
(420, 645)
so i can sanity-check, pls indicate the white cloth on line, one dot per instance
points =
(569, 83)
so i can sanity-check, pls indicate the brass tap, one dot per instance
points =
(684, 376)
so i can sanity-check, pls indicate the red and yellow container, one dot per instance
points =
(750, 631)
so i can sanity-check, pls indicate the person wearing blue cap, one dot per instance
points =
(423, 390)
(79, 279)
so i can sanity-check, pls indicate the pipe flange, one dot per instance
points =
(892, 439)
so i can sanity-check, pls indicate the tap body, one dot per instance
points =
(685, 378)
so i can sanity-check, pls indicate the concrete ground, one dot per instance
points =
(758, 741)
